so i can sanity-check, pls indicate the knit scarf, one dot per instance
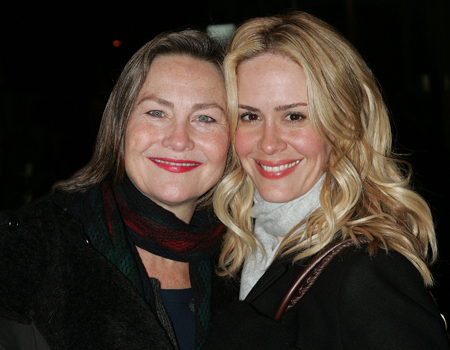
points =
(159, 231)
(112, 214)
(273, 220)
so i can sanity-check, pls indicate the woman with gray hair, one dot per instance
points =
(121, 255)
(314, 182)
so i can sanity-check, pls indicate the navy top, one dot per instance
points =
(178, 303)
(180, 307)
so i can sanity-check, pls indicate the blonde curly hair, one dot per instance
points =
(366, 190)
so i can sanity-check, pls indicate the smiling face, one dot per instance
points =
(176, 140)
(275, 139)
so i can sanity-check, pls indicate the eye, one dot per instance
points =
(205, 119)
(295, 117)
(156, 113)
(248, 117)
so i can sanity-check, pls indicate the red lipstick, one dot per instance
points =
(175, 165)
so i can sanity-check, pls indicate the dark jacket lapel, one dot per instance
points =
(273, 273)
(271, 287)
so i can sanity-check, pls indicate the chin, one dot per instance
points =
(275, 197)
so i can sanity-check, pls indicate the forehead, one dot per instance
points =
(267, 62)
(271, 78)
(181, 78)
(179, 81)
(183, 68)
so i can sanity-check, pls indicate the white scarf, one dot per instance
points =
(273, 220)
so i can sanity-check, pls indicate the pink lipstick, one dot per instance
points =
(276, 169)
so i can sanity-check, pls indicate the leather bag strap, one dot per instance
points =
(306, 278)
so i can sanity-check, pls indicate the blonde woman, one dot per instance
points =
(315, 166)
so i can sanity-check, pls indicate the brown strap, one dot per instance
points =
(442, 316)
(309, 274)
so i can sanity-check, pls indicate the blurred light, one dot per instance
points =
(426, 83)
(222, 32)
(116, 43)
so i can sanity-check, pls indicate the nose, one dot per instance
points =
(178, 137)
(271, 140)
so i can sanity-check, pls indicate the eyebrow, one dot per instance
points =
(249, 108)
(201, 106)
(290, 106)
(156, 99)
(196, 107)
(278, 108)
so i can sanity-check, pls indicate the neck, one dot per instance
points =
(277, 219)
(171, 274)
(183, 212)
(178, 233)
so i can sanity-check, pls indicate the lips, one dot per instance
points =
(276, 169)
(175, 165)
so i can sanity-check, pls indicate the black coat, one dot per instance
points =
(51, 276)
(358, 302)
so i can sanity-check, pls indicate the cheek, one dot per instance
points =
(242, 143)
(139, 137)
(224, 151)
(129, 140)
(220, 150)
(320, 154)
(311, 146)
(131, 150)
(131, 146)
(215, 147)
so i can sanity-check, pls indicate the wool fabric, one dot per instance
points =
(273, 221)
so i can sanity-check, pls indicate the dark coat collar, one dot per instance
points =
(277, 270)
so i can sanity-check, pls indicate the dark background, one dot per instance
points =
(58, 67)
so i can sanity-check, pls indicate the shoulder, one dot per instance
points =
(33, 241)
(355, 275)
(359, 277)
(361, 272)
(47, 214)
(383, 293)
(388, 263)
(368, 301)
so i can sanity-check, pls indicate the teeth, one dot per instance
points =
(176, 164)
(277, 169)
